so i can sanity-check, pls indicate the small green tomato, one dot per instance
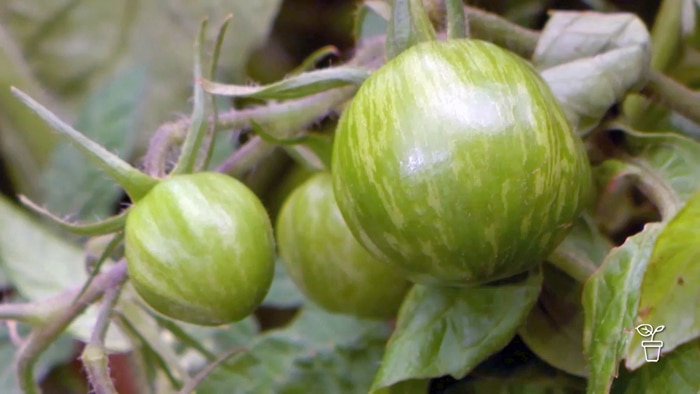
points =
(200, 249)
(326, 262)
(455, 161)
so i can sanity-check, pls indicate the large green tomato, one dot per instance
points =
(326, 262)
(455, 162)
(200, 249)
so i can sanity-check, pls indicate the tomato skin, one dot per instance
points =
(455, 162)
(325, 261)
(200, 249)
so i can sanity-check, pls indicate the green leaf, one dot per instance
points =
(318, 353)
(304, 84)
(40, 265)
(673, 158)
(669, 295)
(588, 87)
(570, 36)
(72, 45)
(610, 300)
(283, 292)
(554, 328)
(591, 61)
(213, 340)
(110, 117)
(25, 141)
(675, 373)
(60, 351)
(512, 372)
(135, 183)
(449, 330)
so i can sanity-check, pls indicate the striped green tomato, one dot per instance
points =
(326, 262)
(455, 161)
(200, 249)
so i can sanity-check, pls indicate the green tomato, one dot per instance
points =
(326, 262)
(200, 249)
(455, 162)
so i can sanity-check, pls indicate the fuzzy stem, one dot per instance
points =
(500, 31)
(245, 158)
(94, 356)
(457, 26)
(41, 337)
(167, 136)
(656, 189)
(198, 126)
(30, 313)
(192, 384)
(211, 131)
(674, 95)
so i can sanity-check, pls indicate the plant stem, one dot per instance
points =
(41, 337)
(94, 356)
(656, 189)
(192, 384)
(572, 263)
(30, 313)
(457, 25)
(674, 95)
(502, 32)
(198, 125)
(211, 131)
(244, 158)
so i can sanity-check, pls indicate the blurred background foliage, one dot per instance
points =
(119, 69)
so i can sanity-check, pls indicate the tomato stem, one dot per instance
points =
(674, 95)
(29, 313)
(192, 384)
(211, 132)
(457, 24)
(573, 263)
(94, 356)
(656, 189)
(198, 125)
(64, 312)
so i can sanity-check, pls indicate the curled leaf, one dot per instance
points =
(592, 60)
(571, 35)
(588, 87)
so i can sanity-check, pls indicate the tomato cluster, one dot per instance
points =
(453, 165)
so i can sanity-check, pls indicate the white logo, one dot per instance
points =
(652, 348)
